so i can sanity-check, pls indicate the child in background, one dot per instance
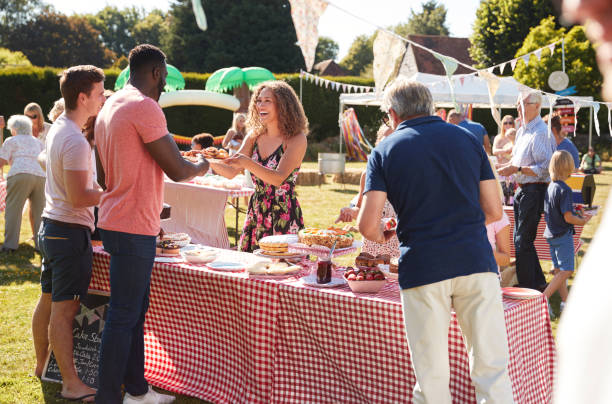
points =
(560, 221)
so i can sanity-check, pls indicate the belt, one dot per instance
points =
(532, 183)
(66, 224)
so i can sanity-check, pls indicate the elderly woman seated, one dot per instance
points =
(25, 180)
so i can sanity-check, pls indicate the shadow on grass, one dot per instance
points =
(20, 266)
(344, 191)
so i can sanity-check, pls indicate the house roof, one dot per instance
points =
(330, 68)
(457, 48)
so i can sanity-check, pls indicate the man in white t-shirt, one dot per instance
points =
(68, 220)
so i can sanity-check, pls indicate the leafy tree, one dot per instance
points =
(16, 12)
(430, 21)
(8, 58)
(502, 25)
(360, 54)
(115, 27)
(327, 48)
(153, 29)
(580, 62)
(240, 33)
(53, 39)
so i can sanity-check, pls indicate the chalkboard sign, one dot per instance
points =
(87, 337)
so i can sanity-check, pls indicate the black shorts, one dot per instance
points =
(67, 259)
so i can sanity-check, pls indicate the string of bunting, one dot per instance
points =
(347, 88)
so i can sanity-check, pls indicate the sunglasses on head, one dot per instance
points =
(508, 123)
(32, 116)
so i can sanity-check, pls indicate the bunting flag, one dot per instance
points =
(320, 81)
(576, 109)
(538, 54)
(305, 15)
(526, 58)
(492, 87)
(513, 63)
(551, 47)
(388, 53)
(609, 120)
(450, 65)
(595, 106)
(502, 67)
(552, 99)
(198, 11)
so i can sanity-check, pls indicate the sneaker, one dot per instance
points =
(152, 397)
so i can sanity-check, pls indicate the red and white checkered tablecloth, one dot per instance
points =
(540, 242)
(228, 338)
(2, 195)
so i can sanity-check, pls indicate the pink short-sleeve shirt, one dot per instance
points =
(134, 195)
(496, 227)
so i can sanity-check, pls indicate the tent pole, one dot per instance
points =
(340, 127)
(590, 125)
(300, 88)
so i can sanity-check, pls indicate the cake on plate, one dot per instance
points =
(326, 237)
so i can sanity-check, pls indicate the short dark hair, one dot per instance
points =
(555, 122)
(145, 55)
(203, 139)
(77, 80)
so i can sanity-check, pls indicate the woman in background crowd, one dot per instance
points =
(236, 134)
(39, 126)
(504, 141)
(57, 110)
(272, 152)
(350, 213)
(25, 180)
(201, 141)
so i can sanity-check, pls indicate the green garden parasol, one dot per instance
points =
(174, 81)
(229, 78)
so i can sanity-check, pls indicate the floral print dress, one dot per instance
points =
(272, 210)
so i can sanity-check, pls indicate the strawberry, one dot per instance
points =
(379, 277)
(351, 277)
(359, 277)
(369, 277)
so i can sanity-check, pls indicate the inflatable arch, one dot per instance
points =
(199, 97)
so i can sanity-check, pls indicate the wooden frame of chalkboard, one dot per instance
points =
(87, 337)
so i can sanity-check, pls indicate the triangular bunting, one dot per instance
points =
(344, 88)
(551, 47)
(595, 106)
(526, 59)
(513, 63)
(502, 67)
(388, 52)
(609, 120)
(490, 69)
(305, 15)
(461, 80)
(538, 54)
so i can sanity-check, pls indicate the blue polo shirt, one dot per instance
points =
(567, 145)
(557, 201)
(475, 128)
(431, 172)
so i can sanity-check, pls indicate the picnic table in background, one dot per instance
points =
(234, 338)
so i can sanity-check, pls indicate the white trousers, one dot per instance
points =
(478, 304)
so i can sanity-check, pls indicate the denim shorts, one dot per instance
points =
(67, 259)
(562, 251)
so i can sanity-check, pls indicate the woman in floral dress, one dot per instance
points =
(272, 152)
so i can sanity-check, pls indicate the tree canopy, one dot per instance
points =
(502, 25)
(115, 27)
(327, 48)
(580, 62)
(240, 33)
(52, 39)
(430, 21)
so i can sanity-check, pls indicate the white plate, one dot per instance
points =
(388, 274)
(311, 280)
(260, 253)
(170, 260)
(226, 266)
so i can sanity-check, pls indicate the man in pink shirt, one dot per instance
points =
(135, 151)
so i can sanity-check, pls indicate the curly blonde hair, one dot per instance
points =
(292, 120)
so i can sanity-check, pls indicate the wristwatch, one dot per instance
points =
(519, 169)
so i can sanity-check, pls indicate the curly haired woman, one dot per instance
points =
(272, 151)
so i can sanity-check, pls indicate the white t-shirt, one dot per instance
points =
(21, 151)
(67, 149)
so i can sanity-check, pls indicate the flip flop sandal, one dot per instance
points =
(76, 399)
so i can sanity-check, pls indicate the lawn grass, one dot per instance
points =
(20, 289)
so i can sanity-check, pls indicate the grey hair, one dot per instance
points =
(21, 124)
(57, 110)
(407, 98)
(533, 96)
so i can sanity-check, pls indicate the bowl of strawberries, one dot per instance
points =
(365, 279)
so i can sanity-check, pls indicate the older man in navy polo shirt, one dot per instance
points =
(533, 148)
(438, 178)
